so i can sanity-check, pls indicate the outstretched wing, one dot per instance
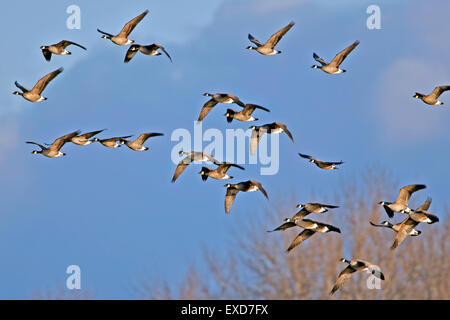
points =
(39, 145)
(229, 198)
(425, 206)
(305, 156)
(131, 52)
(285, 129)
(302, 236)
(405, 228)
(164, 50)
(43, 82)
(284, 226)
(65, 43)
(343, 276)
(224, 166)
(319, 59)
(130, 25)
(406, 192)
(47, 54)
(438, 91)
(260, 187)
(252, 39)
(249, 108)
(91, 134)
(207, 107)
(181, 166)
(58, 143)
(254, 140)
(339, 58)
(276, 37)
(143, 137)
(18, 85)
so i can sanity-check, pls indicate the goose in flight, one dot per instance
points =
(121, 39)
(353, 266)
(138, 144)
(322, 164)
(34, 95)
(333, 66)
(220, 172)
(83, 139)
(310, 226)
(215, 99)
(401, 203)
(111, 142)
(246, 186)
(270, 128)
(191, 157)
(306, 209)
(245, 114)
(150, 50)
(420, 215)
(53, 151)
(58, 48)
(269, 47)
(432, 98)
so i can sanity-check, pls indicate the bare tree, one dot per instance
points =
(258, 267)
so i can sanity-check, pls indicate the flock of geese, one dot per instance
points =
(404, 229)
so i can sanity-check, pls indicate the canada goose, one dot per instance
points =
(353, 266)
(310, 226)
(420, 215)
(270, 128)
(137, 145)
(268, 47)
(432, 98)
(121, 39)
(322, 164)
(395, 227)
(34, 95)
(190, 157)
(58, 48)
(333, 66)
(401, 204)
(245, 186)
(150, 50)
(53, 150)
(245, 114)
(111, 142)
(215, 99)
(308, 208)
(83, 139)
(220, 172)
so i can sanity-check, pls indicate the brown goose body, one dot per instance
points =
(138, 144)
(53, 151)
(245, 114)
(121, 38)
(246, 186)
(58, 48)
(220, 173)
(326, 165)
(216, 98)
(432, 98)
(268, 48)
(333, 66)
(270, 128)
(401, 203)
(34, 95)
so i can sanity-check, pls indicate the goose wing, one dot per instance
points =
(284, 226)
(47, 54)
(207, 107)
(181, 166)
(339, 58)
(342, 278)
(224, 166)
(425, 206)
(285, 129)
(65, 43)
(301, 214)
(249, 108)
(39, 145)
(91, 134)
(260, 187)
(302, 236)
(229, 198)
(18, 85)
(252, 39)
(276, 37)
(254, 140)
(143, 137)
(163, 49)
(58, 143)
(438, 91)
(319, 59)
(131, 52)
(44, 81)
(130, 25)
(306, 156)
(406, 192)
(405, 228)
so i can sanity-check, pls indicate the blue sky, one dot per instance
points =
(114, 212)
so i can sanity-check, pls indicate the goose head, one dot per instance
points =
(344, 260)
(316, 67)
(17, 93)
(228, 185)
(207, 94)
(251, 48)
(35, 152)
(44, 47)
(387, 224)
(299, 206)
